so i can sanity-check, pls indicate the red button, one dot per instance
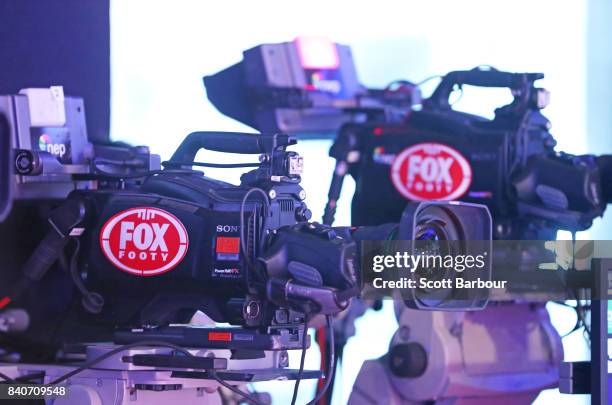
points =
(228, 245)
(220, 336)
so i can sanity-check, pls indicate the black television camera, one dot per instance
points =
(197, 243)
(149, 247)
(400, 150)
(131, 250)
(508, 163)
(155, 252)
(399, 153)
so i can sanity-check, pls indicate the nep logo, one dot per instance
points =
(45, 143)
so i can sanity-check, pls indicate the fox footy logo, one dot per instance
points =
(431, 171)
(144, 241)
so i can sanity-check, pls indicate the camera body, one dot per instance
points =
(402, 149)
(146, 247)
(507, 163)
(183, 242)
(176, 240)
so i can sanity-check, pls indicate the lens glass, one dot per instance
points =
(432, 243)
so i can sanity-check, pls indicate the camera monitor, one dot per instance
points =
(299, 86)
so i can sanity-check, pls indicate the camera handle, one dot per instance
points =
(229, 142)
(481, 78)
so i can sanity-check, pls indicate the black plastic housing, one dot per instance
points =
(208, 209)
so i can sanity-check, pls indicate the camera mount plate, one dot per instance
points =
(217, 337)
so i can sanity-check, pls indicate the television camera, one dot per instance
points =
(132, 251)
(508, 163)
(400, 148)
(408, 149)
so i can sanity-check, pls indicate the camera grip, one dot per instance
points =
(482, 78)
(45, 254)
(227, 142)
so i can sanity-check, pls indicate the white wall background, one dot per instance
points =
(161, 49)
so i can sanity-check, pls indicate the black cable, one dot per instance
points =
(581, 315)
(146, 173)
(170, 163)
(579, 308)
(235, 390)
(296, 387)
(74, 270)
(327, 397)
(243, 247)
(123, 163)
(576, 325)
(332, 362)
(126, 176)
(92, 301)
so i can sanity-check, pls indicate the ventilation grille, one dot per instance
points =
(286, 205)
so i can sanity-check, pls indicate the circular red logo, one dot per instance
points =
(144, 241)
(431, 171)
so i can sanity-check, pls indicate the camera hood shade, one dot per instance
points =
(453, 230)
